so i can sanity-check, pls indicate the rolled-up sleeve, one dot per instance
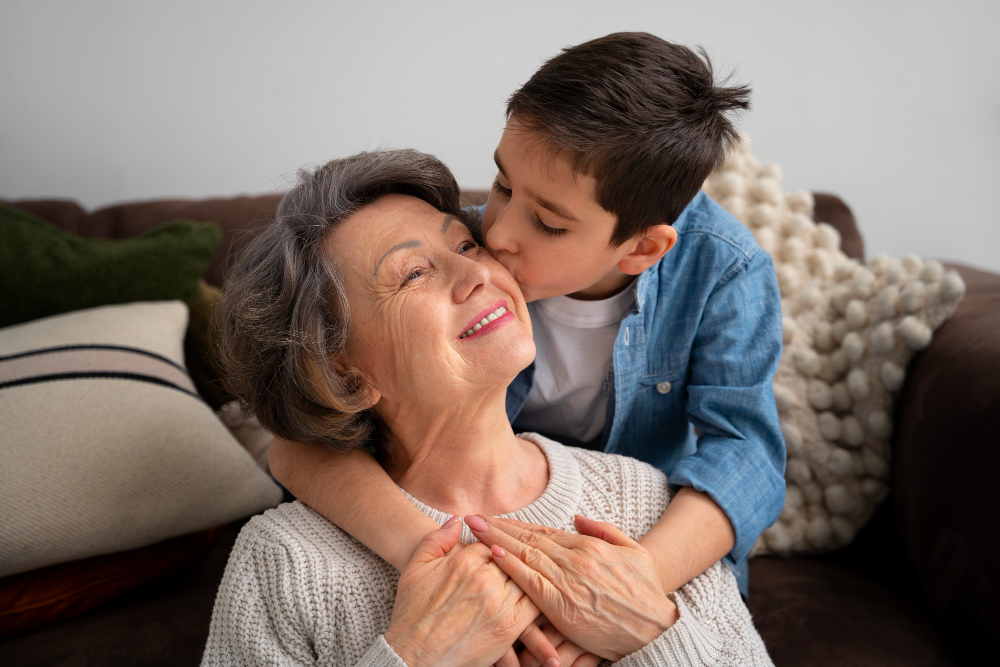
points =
(740, 457)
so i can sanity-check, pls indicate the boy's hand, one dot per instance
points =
(569, 653)
(537, 648)
(600, 589)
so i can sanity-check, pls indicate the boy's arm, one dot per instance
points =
(732, 486)
(689, 538)
(353, 491)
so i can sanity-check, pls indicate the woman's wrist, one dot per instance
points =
(398, 642)
(665, 616)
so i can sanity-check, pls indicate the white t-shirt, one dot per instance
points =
(575, 341)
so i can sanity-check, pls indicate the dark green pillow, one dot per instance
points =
(45, 270)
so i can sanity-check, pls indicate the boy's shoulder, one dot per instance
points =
(712, 248)
(704, 225)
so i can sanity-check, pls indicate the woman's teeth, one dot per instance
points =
(483, 322)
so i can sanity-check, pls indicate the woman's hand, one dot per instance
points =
(455, 606)
(599, 589)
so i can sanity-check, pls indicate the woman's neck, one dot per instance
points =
(464, 460)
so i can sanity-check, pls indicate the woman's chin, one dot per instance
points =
(501, 356)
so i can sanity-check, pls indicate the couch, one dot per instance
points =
(915, 588)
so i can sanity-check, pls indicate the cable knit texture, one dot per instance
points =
(300, 591)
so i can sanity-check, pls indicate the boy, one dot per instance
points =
(599, 170)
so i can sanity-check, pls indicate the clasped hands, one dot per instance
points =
(597, 592)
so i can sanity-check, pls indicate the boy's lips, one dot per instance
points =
(498, 321)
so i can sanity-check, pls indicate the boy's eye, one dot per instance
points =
(499, 189)
(545, 229)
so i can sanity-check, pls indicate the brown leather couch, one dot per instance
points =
(916, 587)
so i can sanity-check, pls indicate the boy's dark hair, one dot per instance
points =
(641, 115)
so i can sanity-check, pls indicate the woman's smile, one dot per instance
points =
(488, 320)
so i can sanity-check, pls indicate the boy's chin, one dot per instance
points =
(533, 294)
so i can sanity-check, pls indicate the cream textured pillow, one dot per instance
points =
(850, 330)
(105, 445)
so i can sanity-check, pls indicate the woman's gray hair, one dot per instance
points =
(284, 312)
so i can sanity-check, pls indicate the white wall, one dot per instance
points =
(893, 105)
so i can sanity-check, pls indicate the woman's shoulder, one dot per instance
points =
(309, 587)
(307, 539)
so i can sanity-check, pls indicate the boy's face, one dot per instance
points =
(543, 223)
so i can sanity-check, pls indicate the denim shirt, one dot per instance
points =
(700, 348)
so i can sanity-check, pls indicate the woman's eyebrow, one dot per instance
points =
(413, 243)
(448, 219)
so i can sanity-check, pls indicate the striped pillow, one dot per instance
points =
(106, 445)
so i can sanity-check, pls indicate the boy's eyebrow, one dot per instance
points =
(541, 201)
(551, 206)
(413, 243)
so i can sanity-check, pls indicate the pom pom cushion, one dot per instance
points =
(850, 330)
(105, 445)
(46, 271)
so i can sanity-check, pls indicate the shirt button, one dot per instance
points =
(663, 387)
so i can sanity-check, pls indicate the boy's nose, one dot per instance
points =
(499, 236)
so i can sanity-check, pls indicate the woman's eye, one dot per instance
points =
(499, 189)
(545, 229)
(413, 275)
(467, 246)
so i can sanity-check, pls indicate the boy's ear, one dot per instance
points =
(654, 244)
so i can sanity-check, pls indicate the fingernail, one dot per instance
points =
(500, 553)
(552, 662)
(476, 523)
(450, 521)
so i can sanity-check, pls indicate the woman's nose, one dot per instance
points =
(471, 277)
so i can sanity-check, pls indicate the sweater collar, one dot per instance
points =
(558, 502)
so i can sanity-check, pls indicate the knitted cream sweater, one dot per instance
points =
(299, 591)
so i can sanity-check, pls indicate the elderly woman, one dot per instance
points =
(367, 316)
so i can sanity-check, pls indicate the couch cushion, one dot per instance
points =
(833, 211)
(165, 625)
(947, 449)
(105, 445)
(45, 270)
(233, 215)
(63, 213)
(812, 614)
(44, 597)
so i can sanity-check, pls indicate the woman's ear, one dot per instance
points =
(654, 244)
(372, 394)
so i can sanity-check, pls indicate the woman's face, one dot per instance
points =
(417, 284)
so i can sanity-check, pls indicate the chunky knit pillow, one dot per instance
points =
(850, 330)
